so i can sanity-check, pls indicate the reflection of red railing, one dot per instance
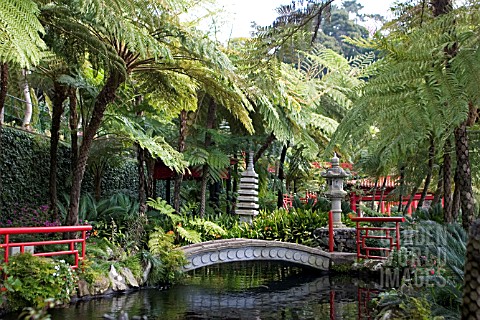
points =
(7, 232)
(363, 233)
(364, 297)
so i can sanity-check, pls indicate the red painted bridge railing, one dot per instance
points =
(71, 243)
(392, 234)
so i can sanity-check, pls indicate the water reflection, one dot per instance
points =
(249, 290)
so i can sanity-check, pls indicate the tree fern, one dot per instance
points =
(20, 32)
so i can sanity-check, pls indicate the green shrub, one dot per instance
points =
(31, 281)
(294, 225)
(166, 269)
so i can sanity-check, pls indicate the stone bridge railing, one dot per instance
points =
(230, 250)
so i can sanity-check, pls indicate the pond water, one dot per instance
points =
(249, 290)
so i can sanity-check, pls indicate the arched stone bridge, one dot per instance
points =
(231, 250)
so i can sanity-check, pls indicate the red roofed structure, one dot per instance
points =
(369, 192)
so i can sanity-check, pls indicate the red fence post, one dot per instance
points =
(330, 231)
(7, 240)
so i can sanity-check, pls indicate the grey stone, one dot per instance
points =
(129, 278)
(100, 286)
(117, 281)
(83, 288)
(146, 272)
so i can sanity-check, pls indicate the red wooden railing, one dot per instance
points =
(364, 233)
(7, 232)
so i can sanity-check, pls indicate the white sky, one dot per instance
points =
(240, 13)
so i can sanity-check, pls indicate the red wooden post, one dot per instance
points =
(353, 202)
(7, 240)
(330, 231)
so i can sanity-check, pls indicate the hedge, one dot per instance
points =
(25, 166)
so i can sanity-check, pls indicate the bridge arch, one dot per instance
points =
(233, 250)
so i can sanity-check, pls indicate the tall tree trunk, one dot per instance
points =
(142, 199)
(73, 123)
(456, 204)
(59, 96)
(447, 182)
(181, 148)
(374, 193)
(228, 189)
(439, 191)
(106, 95)
(3, 96)
(471, 283)
(235, 185)
(402, 185)
(464, 175)
(150, 163)
(3, 88)
(168, 197)
(28, 101)
(382, 194)
(281, 176)
(97, 179)
(264, 147)
(428, 179)
(211, 118)
(410, 199)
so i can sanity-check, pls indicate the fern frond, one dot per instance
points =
(20, 32)
(191, 236)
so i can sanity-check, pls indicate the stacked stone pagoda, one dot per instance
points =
(335, 176)
(247, 201)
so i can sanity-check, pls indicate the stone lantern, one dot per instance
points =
(247, 201)
(335, 193)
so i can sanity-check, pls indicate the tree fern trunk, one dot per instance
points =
(97, 180)
(471, 283)
(106, 95)
(211, 118)
(447, 182)
(59, 96)
(3, 96)
(181, 148)
(150, 163)
(374, 193)
(203, 191)
(439, 190)
(382, 194)
(3, 88)
(464, 175)
(410, 199)
(456, 205)
(264, 147)
(28, 101)
(281, 176)
(428, 179)
(235, 185)
(73, 123)
(142, 199)
(402, 184)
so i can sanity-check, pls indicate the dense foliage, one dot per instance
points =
(32, 281)
(24, 169)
